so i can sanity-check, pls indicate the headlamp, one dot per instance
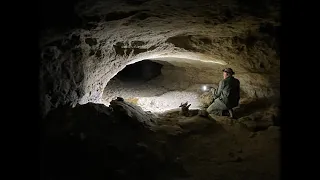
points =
(204, 88)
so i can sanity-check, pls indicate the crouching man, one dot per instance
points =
(227, 95)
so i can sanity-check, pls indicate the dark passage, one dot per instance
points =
(140, 72)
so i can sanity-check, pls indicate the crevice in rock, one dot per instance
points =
(120, 49)
(91, 41)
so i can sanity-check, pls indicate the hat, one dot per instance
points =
(228, 70)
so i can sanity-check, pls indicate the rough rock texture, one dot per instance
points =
(95, 39)
(134, 112)
(93, 141)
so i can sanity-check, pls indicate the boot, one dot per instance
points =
(230, 113)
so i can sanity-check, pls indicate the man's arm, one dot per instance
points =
(218, 92)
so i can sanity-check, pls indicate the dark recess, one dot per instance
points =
(140, 72)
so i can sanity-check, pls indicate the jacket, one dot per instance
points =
(228, 92)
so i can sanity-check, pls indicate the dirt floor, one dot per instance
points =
(93, 141)
(220, 151)
(247, 147)
(153, 95)
(221, 147)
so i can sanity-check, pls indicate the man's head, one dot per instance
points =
(227, 72)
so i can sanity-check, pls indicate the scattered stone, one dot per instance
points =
(273, 128)
(252, 134)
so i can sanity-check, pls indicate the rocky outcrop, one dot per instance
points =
(78, 60)
(134, 113)
(93, 141)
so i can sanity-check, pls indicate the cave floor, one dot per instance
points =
(214, 147)
(154, 95)
(222, 149)
(134, 144)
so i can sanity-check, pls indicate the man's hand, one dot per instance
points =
(212, 90)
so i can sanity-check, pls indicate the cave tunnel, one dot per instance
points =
(162, 84)
(140, 72)
(114, 73)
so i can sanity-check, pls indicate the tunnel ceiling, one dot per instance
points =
(84, 43)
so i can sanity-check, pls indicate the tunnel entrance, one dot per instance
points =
(159, 85)
(140, 72)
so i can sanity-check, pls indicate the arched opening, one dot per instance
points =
(140, 72)
(162, 84)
